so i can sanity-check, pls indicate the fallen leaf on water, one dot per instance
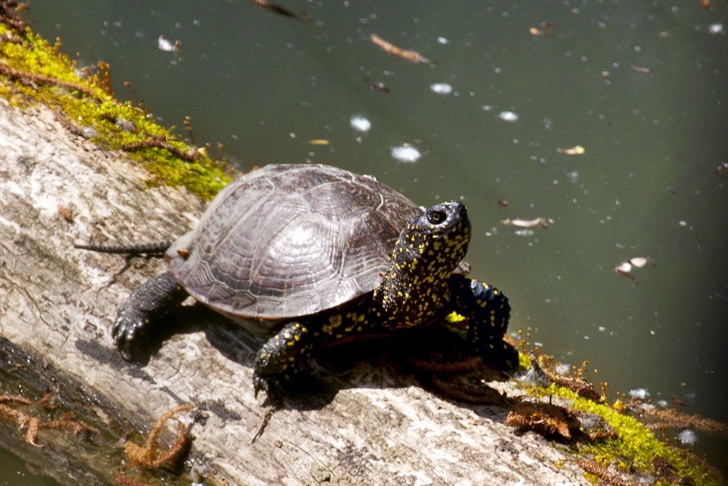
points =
(277, 9)
(640, 69)
(576, 150)
(390, 48)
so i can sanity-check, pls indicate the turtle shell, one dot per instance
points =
(291, 240)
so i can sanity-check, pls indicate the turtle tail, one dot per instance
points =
(151, 249)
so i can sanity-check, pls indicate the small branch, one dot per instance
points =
(190, 156)
(30, 79)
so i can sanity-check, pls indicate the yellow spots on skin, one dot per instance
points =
(335, 320)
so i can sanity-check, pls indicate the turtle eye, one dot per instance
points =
(436, 216)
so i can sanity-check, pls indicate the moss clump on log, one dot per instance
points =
(33, 71)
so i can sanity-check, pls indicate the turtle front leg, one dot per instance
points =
(486, 311)
(282, 357)
(143, 311)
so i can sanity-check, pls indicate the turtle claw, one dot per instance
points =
(272, 387)
(128, 332)
(259, 384)
(141, 317)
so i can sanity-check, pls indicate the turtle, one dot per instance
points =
(310, 255)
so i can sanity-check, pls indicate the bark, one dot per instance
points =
(373, 424)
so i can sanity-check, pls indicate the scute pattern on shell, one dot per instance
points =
(287, 241)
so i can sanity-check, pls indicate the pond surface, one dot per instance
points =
(514, 92)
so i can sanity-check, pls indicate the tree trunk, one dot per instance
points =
(375, 425)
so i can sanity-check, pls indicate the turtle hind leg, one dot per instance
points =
(141, 318)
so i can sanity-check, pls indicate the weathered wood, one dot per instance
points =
(372, 425)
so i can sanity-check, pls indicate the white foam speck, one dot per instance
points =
(687, 437)
(406, 153)
(640, 393)
(441, 88)
(360, 123)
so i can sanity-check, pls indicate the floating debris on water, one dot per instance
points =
(277, 9)
(575, 150)
(379, 86)
(624, 268)
(441, 88)
(528, 223)
(360, 123)
(508, 116)
(716, 29)
(687, 437)
(319, 141)
(442, 40)
(640, 393)
(165, 45)
(640, 69)
(406, 153)
(722, 170)
(544, 30)
(390, 48)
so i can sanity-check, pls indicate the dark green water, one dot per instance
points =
(264, 86)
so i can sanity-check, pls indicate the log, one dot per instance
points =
(369, 423)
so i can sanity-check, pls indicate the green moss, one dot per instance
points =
(524, 361)
(634, 446)
(35, 72)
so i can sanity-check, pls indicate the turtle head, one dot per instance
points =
(422, 262)
(441, 233)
